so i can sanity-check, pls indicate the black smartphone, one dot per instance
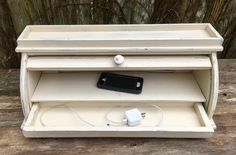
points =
(121, 83)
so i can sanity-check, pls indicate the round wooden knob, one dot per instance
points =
(119, 59)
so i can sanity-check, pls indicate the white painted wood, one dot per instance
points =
(120, 50)
(212, 31)
(25, 32)
(203, 78)
(213, 124)
(91, 63)
(81, 86)
(147, 38)
(154, 133)
(28, 83)
(33, 112)
(214, 86)
(203, 118)
(25, 101)
(114, 27)
(60, 65)
(89, 32)
(33, 79)
(112, 35)
(187, 120)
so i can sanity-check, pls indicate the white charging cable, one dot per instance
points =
(125, 120)
(71, 109)
(111, 122)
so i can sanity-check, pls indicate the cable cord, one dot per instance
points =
(110, 121)
(81, 118)
(46, 111)
(63, 105)
(124, 121)
(114, 123)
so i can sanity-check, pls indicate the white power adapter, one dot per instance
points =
(134, 117)
(131, 117)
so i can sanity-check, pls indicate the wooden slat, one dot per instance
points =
(107, 63)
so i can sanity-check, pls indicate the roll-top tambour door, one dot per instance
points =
(90, 63)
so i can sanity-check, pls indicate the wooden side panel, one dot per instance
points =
(28, 83)
(33, 79)
(24, 86)
(214, 86)
(204, 80)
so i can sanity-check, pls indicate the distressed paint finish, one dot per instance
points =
(222, 142)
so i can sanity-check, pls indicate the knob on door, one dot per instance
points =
(119, 59)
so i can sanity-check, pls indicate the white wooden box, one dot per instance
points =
(61, 65)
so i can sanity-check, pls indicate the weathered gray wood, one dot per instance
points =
(222, 142)
(8, 57)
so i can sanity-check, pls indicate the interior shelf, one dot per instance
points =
(89, 63)
(81, 86)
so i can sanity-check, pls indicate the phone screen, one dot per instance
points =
(122, 83)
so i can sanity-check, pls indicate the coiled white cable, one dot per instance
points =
(63, 105)
(124, 121)
(110, 121)
(114, 123)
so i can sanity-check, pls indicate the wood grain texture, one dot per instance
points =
(222, 142)
(8, 57)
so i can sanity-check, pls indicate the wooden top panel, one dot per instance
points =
(118, 35)
(87, 38)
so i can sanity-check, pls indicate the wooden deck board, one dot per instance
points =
(222, 142)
